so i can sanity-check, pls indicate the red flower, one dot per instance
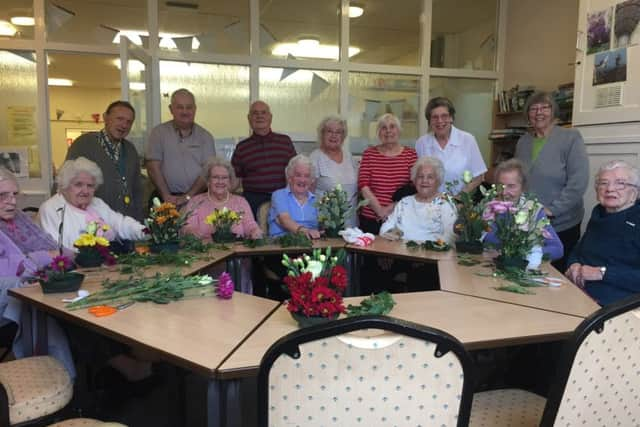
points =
(339, 277)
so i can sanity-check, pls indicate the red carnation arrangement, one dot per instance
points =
(316, 283)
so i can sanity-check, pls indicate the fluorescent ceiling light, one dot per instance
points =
(134, 65)
(59, 82)
(309, 49)
(355, 11)
(24, 21)
(6, 29)
(137, 86)
(309, 42)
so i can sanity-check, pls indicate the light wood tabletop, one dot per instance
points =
(240, 249)
(195, 334)
(399, 250)
(476, 322)
(566, 298)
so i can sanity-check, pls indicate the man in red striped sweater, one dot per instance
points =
(260, 160)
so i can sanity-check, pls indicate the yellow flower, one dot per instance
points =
(102, 241)
(85, 239)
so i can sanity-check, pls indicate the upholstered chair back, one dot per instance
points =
(263, 217)
(372, 371)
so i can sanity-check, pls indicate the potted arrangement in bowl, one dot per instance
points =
(58, 276)
(334, 208)
(222, 220)
(163, 225)
(93, 247)
(316, 284)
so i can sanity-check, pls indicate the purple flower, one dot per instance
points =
(225, 286)
(61, 263)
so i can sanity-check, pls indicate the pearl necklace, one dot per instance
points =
(217, 202)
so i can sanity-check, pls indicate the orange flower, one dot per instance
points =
(161, 220)
(174, 213)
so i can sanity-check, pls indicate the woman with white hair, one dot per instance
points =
(293, 207)
(605, 260)
(74, 207)
(426, 215)
(333, 164)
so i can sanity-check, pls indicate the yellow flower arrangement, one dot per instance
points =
(222, 220)
(164, 222)
(93, 247)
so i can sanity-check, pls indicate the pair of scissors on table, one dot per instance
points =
(108, 310)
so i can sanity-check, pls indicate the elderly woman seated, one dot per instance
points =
(293, 207)
(24, 248)
(605, 260)
(220, 178)
(426, 215)
(513, 178)
(75, 206)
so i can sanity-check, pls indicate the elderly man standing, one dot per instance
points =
(260, 160)
(177, 151)
(117, 158)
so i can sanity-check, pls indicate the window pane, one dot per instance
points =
(93, 22)
(222, 98)
(220, 27)
(19, 152)
(473, 101)
(372, 95)
(387, 33)
(299, 100)
(76, 109)
(464, 34)
(16, 19)
(300, 28)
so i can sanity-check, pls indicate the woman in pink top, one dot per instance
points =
(220, 178)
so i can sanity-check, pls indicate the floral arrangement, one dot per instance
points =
(222, 220)
(58, 276)
(164, 222)
(93, 247)
(471, 225)
(518, 226)
(316, 284)
(334, 208)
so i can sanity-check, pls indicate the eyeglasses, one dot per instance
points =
(540, 108)
(441, 117)
(8, 195)
(219, 177)
(616, 185)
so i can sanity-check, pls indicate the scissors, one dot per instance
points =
(107, 310)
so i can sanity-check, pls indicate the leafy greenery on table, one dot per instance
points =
(429, 245)
(519, 281)
(161, 289)
(381, 303)
(468, 260)
(194, 244)
(294, 240)
(134, 261)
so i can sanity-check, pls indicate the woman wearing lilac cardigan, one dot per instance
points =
(513, 179)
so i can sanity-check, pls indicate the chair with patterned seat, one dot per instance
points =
(31, 389)
(86, 422)
(598, 384)
(368, 370)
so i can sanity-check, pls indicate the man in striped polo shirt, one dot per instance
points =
(260, 160)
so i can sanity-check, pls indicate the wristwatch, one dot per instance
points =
(603, 271)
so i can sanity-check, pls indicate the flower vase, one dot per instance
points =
(469, 247)
(504, 263)
(168, 247)
(70, 282)
(88, 258)
(223, 235)
(306, 321)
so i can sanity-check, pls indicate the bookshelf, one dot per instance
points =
(507, 127)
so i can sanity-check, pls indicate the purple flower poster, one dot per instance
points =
(599, 31)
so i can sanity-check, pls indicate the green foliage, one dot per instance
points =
(381, 303)
(519, 281)
(430, 245)
(134, 261)
(294, 240)
(335, 207)
(470, 224)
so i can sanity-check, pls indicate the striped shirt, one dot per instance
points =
(384, 175)
(260, 162)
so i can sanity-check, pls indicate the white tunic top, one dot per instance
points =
(421, 221)
(460, 154)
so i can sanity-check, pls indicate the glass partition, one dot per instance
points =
(372, 95)
(19, 149)
(222, 98)
(463, 34)
(299, 100)
(16, 19)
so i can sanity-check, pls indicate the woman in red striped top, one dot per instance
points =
(384, 168)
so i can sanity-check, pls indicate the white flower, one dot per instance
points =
(323, 258)
(205, 280)
(156, 202)
(314, 267)
(521, 217)
(467, 177)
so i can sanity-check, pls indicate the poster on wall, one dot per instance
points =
(610, 67)
(599, 31)
(15, 160)
(626, 24)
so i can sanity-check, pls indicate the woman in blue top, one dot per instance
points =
(605, 260)
(513, 179)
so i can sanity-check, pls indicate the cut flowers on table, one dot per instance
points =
(316, 283)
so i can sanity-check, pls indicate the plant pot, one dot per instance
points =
(306, 321)
(510, 263)
(223, 236)
(169, 247)
(88, 258)
(473, 247)
(69, 283)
